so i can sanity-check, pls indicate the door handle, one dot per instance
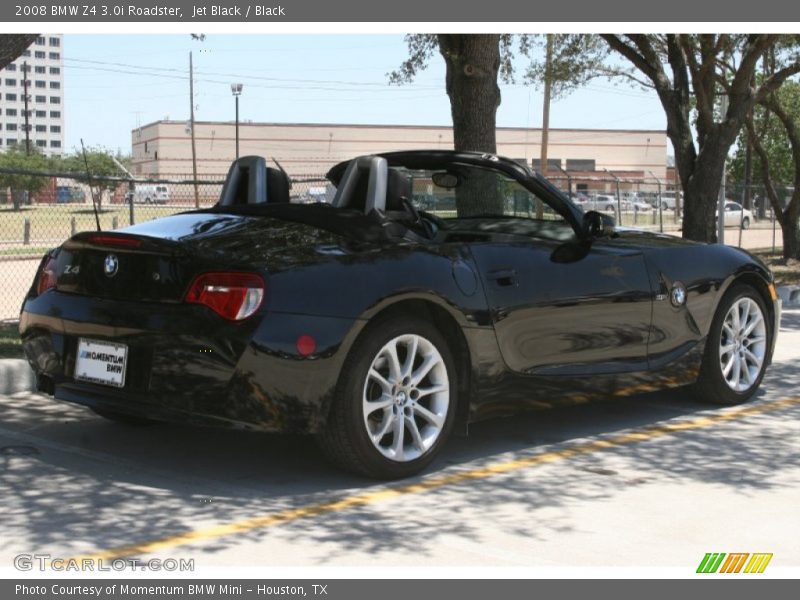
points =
(503, 277)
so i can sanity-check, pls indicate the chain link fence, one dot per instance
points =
(32, 223)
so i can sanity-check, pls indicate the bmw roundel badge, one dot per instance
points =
(111, 265)
(678, 294)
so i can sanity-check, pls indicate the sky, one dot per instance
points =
(114, 83)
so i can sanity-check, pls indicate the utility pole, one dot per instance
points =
(721, 199)
(747, 199)
(191, 126)
(26, 96)
(548, 85)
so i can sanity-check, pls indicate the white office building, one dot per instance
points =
(39, 73)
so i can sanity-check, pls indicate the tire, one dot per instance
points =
(121, 418)
(361, 437)
(728, 388)
(746, 223)
(610, 208)
(664, 206)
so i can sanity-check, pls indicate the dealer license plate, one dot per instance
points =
(101, 362)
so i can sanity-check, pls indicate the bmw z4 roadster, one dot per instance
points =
(435, 290)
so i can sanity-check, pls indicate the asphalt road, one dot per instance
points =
(650, 481)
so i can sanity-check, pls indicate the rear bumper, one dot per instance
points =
(186, 364)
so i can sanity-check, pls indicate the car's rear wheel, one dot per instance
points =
(737, 349)
(395, 403)
(122, 418)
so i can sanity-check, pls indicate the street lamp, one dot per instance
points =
(236, 90)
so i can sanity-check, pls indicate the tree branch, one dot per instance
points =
(776, 80)
(639, 61)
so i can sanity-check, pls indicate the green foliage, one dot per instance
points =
(422, 46)
(100, 164)
(773, 138)
(576, 60)
(15, 157)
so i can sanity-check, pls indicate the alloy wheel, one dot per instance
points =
(406, 398)
(742, 344)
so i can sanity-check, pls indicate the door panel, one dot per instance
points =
(589, 314)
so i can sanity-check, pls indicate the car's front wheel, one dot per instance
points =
(746, 223)
(737, 348)
(395, 403)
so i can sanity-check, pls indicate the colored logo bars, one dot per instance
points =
(719, 562)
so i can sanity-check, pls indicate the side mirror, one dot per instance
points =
(597, 225)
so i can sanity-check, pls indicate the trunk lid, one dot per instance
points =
(111, 265)
(157, 260)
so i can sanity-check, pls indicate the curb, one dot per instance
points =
(789, 295)
(16, 376)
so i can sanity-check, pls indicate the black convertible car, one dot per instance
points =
(379, 324)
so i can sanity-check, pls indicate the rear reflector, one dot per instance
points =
(306, 345)
(234, 296)
(113, 240)
(47, 277)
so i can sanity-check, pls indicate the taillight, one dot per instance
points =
(47, 276)
(234, 296)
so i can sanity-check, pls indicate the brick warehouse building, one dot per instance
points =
(163, 149)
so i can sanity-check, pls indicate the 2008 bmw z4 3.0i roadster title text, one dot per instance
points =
(427, 295)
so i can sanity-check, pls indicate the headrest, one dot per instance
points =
(363, 185)
(250, 181)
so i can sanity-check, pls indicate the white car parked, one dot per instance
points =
(736, 215)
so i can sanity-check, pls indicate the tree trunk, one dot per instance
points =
(701, 194)
(790, 226)
(473, 63)
(701, 175)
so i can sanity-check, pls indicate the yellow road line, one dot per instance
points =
(358, 500)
